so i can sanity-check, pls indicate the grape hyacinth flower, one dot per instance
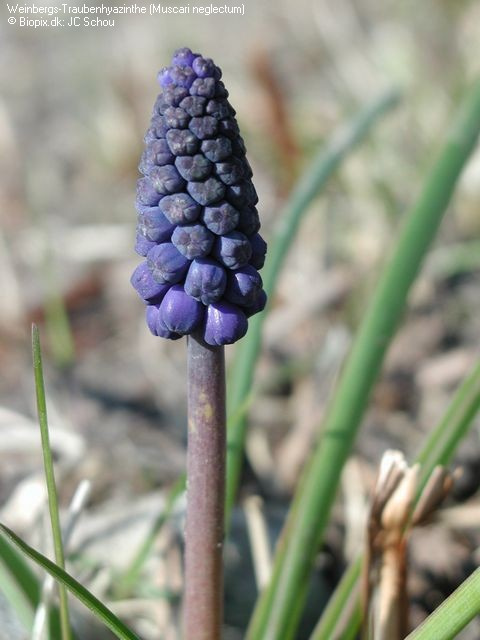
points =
(198, 232)
(196, 198)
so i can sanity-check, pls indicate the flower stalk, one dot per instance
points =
(203, 601)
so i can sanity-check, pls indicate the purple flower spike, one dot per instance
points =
(259, 250)
(257, 306)
(146, 192)
(194, 168)
(203, 67)
(220, 218)
(155, 324)
(179, 208)
(166, 179)
(146, 287)
(184, 56)
(193, 241)
(208, 192)
(154, 225)
(249, 222)
(243, 286)
(166, 263)
(179, 312)
(206, 281)
(233, 250)
(197, 224)
(225, 324)
(143, 245)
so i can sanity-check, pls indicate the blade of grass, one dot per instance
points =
(131, 575)
(444, 439)
(328, 625)
(18, 584)
(453, 614)
(310, 185)
(50, 478)
(438, 449)
(104, 614)
(280, 605)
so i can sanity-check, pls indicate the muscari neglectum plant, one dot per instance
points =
(198, 231)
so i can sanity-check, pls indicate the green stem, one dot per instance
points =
(323, 166)
(50, 479)
(281, 604)
(453, 614)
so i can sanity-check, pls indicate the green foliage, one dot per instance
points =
(280, 606)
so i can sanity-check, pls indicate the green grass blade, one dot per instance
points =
(104, 614)
(444, 439)
(453, 614)
(18, 584)
(327, 628)
(279, 608)
(322, 167)
(50, 479)
(438, 449)
(131, 575)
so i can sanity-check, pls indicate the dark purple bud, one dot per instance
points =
(166, 263)
(233, 250)
(184, 56)
(242, 194)
(225, 324)
(220, 90)
(170, 97)
(221, 218)
(154, 225)
(158, 129)
(146, 287)
(143, 245)
(204, 128)
(182, 76)
(238, 148)
(243, 286)
(176, 118)
(155, 324)
(164, 78)
(156, 152)
(218, 109)
(194, 105)
(193, 241)
(259, 249)
(208, 192)
(206, 280)
(179, 312)
(218, 149)
(194, 168)
(146, 192)
(204, 87)
(166, 179)
(257, 306)
(203, 67)
(180, 208)
(230, 172)
(217, 74)
(249, 222)
(229, 128)
(182, 142)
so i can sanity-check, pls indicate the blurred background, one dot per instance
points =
(74, 106)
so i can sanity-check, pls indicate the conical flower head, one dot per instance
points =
(197, 218)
